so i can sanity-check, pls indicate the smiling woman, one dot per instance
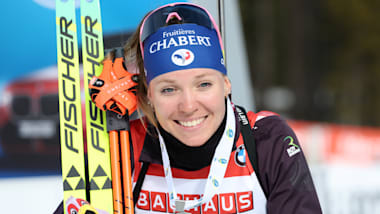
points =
(189, 147)
(190, 104)
(190, 141)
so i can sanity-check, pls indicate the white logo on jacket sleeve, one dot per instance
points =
(294, 148)
(182, 57)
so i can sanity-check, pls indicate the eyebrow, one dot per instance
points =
(171, 81)
(166, 81)
(201, 76)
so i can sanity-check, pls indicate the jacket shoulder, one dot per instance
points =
(254, 117)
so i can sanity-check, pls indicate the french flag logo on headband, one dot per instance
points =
(182, 57)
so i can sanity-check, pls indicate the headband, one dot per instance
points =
(182, 46)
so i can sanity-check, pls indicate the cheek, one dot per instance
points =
(215, 101)
(163, 107)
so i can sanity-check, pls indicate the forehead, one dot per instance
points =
(187, 74)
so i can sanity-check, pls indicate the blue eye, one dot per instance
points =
(167, 90)
(205, 84)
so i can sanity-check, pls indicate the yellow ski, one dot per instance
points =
(71, 128)
(99, 165)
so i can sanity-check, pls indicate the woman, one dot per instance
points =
(184, 95)
(189, 150)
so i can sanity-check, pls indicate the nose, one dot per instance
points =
(187, 104)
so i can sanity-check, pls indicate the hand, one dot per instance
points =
(115, 89)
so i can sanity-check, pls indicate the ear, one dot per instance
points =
(227, 86)
(149, 94)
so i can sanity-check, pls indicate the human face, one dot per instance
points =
(190, 104)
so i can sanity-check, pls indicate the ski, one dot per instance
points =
(98, 147)
(71, 134)
(75, 176)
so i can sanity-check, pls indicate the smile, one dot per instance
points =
(191, 123)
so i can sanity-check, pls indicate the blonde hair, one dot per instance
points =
(133, 55)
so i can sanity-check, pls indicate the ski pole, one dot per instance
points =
(118, 126)
(114, 92)
(115, 169)
(222, 27)
(126, 162)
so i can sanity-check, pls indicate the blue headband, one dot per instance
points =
(182, 46)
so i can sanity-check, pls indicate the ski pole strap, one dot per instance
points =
(115, 88)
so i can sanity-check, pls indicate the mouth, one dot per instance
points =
(191, 123)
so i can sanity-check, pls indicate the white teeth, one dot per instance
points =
(191, 123)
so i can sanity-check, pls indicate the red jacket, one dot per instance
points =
(284, 175)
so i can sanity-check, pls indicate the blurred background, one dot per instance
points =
(317, 63)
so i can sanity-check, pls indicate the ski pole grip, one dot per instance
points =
(116, 122)
(119, 52)
(116, 52)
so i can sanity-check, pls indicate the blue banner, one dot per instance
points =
(28, 31)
